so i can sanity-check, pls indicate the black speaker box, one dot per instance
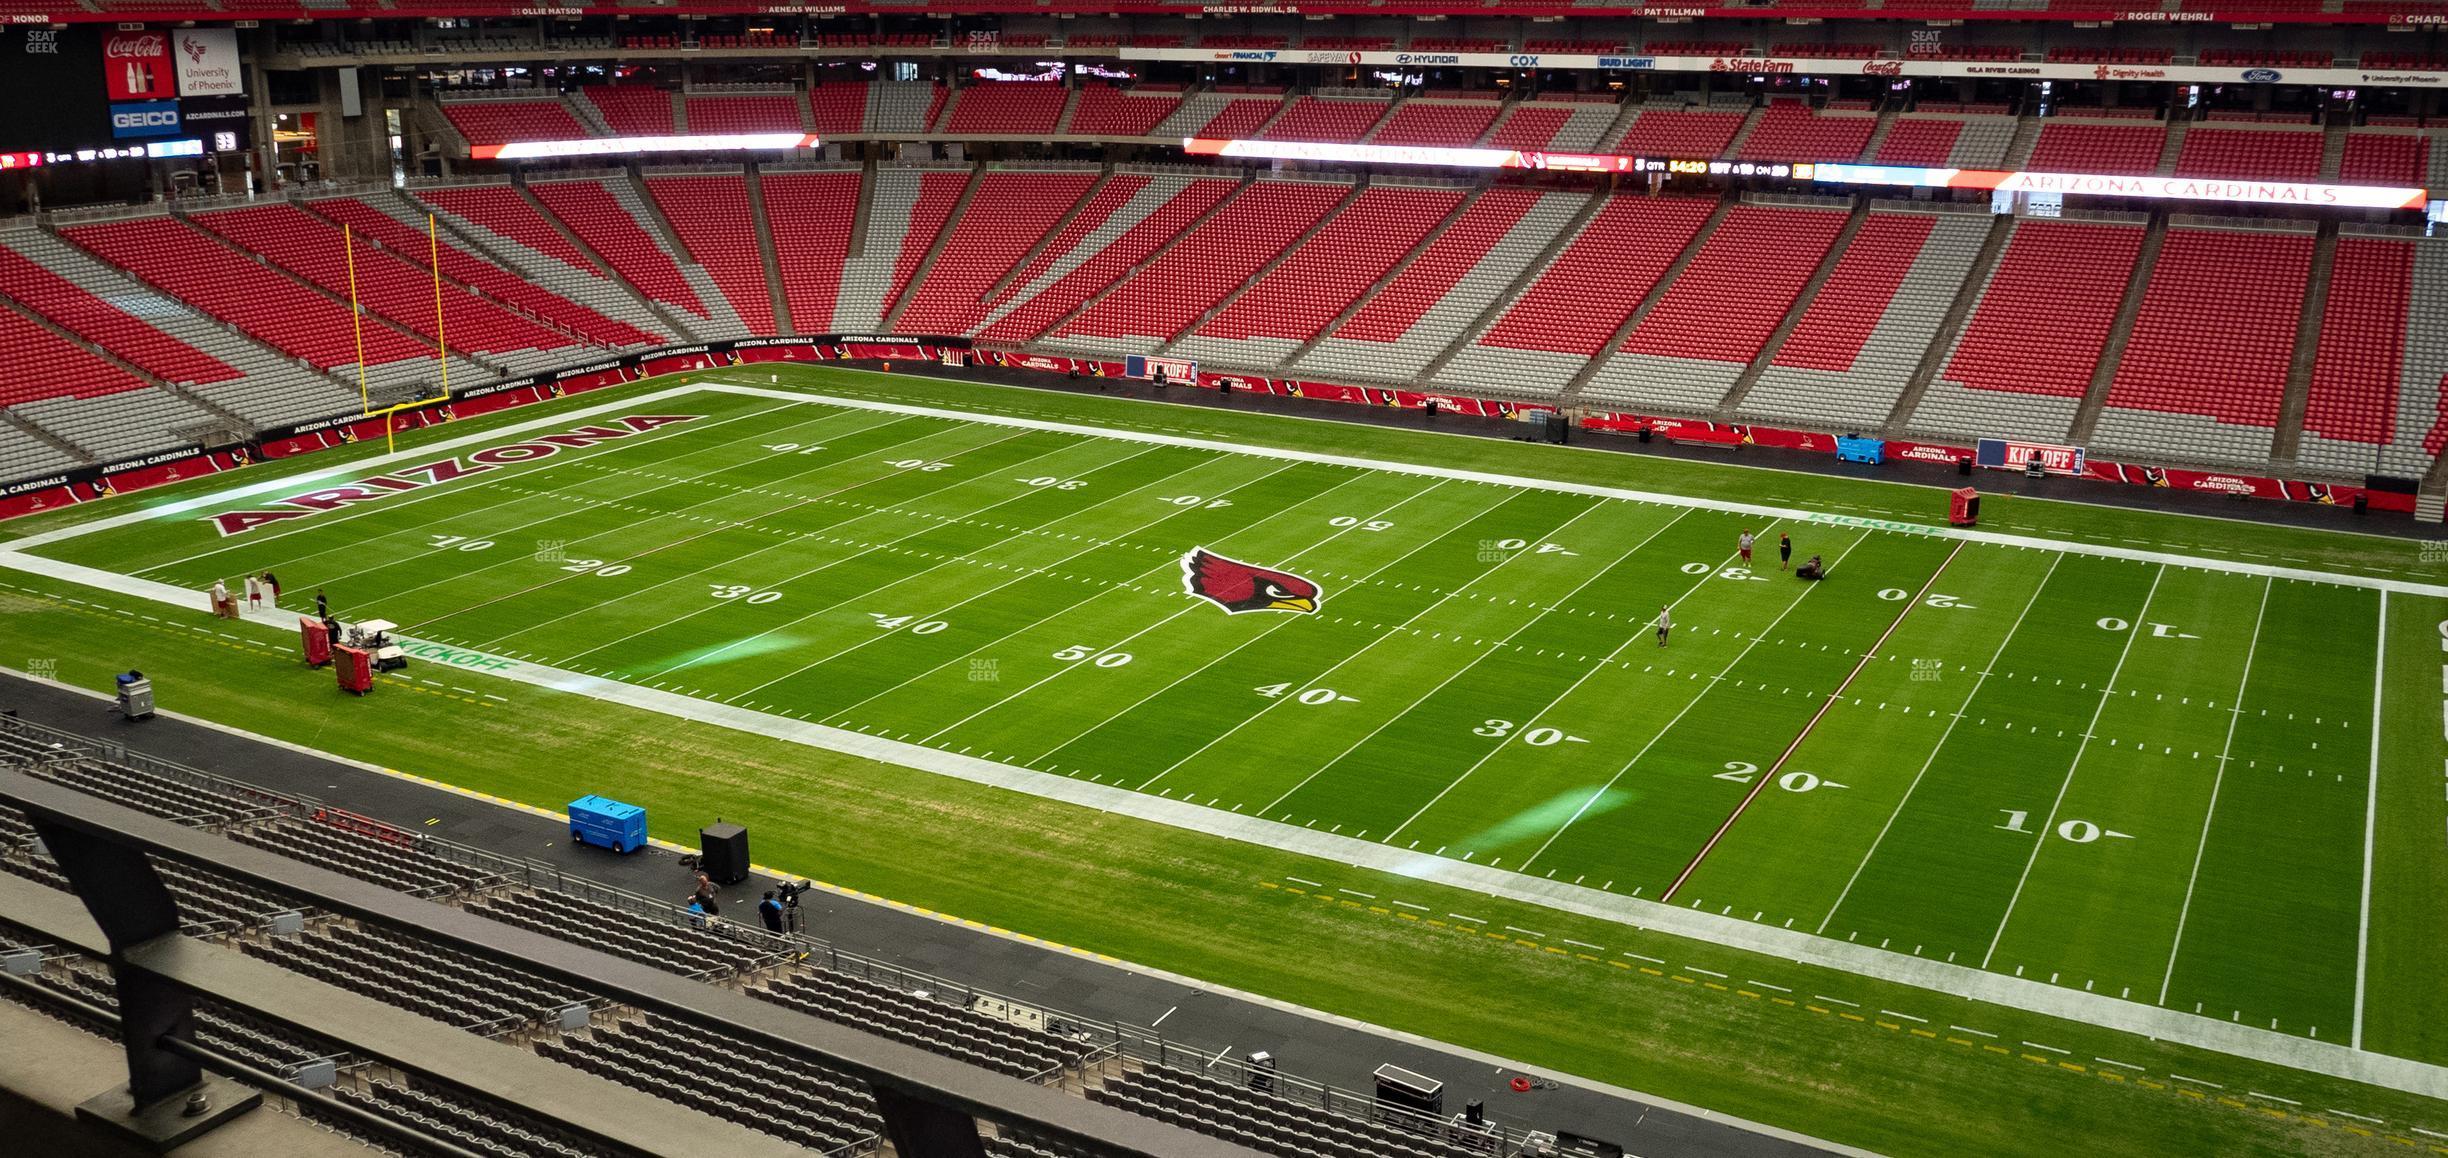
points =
(723, 849)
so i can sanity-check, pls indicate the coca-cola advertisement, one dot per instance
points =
(136, 66)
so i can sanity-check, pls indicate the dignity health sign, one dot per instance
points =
(207, 61)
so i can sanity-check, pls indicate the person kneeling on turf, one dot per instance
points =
(1811, 570)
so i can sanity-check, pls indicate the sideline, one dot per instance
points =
(2339, 1061)
(1203, 985)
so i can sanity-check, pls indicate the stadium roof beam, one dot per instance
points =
(928, 1102)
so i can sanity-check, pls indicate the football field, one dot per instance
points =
(2146, 777)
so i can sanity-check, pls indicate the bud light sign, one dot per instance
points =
(145, 119)
(136, 66)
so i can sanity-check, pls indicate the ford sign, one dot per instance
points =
(2261, 75)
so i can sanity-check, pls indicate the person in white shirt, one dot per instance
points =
(1745, 544)
(1665, 624)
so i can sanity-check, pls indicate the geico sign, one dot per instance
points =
(146, 119)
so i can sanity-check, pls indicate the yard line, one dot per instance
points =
(282, 533)
(584, 507)
(1339, 532)
(869, 548)
(1688, 705)
(2107, 692)
(1550, 706)
(1356, 653)
(1955, 718)
(1040, 621)
(729, 525)
(1093, 544)
(2168, 978)
(1833, 698)
(516, 495)
(1194, 673)
(2371, 809)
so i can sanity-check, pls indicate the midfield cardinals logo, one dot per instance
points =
(1236, 586)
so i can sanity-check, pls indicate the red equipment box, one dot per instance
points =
(355, 669)
(1963, 506)
(314, 639)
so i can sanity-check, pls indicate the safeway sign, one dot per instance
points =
(208, 63)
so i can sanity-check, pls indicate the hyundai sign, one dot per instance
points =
(144, 119)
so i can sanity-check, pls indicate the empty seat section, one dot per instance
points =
(1321, 278)
(1105, 111)
(1240, 115)
(2351, 419)
(763, 113)
(810, 215)
(1326, 119)
(2078, 145)
(1865, 332)
(1792, 132)
(1138, 217)
(1709, 324)
(2399, 159)
(390, 283)
(263, 302)
(459, 265)
(1537, 126)
(1020, 108)
(1677, 133)
(2205, 372)
(710, 214)
(71, 308)
(1927, 141)
(1008, 214)
(502, 122)
(1408, 321)
(1447, 124)
(838, 109)
(903, 108)
(1581, 298)
(2252, 154)
(632, 110)
(2025, 357)
(904, 215)
(41, 364)
(499, 208)
(1194, 273)
(607, 227)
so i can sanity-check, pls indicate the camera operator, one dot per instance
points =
(771, 910)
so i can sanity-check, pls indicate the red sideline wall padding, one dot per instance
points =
(36, 495)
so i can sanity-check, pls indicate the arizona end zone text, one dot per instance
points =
(436, 473)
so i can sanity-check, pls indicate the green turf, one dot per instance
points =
(1485, 683)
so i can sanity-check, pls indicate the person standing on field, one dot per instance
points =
(220, 599)
(1744, 544)
(1784, 551)
(1665, 624)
